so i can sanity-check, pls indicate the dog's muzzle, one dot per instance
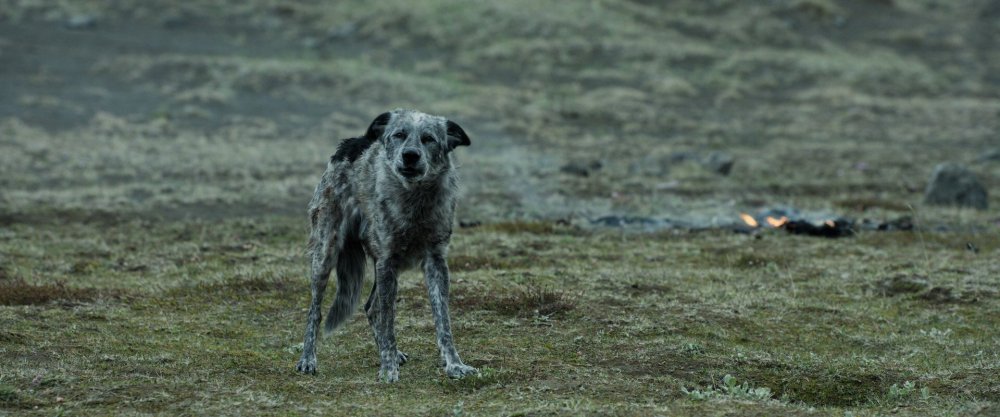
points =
(411, 167)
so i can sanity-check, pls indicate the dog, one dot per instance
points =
(389, 195)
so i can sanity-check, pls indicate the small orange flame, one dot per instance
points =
(777, 222)
(749, 220)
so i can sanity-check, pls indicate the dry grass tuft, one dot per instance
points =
(868, 203)
(459, 263)
(755, 260)
(237, 285)
(533, 300)
(19, 292)
(536, 227)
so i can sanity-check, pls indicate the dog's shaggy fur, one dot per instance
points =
(390, 195)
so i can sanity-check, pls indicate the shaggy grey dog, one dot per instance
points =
(390, 194)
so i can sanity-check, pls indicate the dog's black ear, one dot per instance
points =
(456, 136)
(377, 127)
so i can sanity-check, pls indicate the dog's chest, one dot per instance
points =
(417, 234)
(409, 234)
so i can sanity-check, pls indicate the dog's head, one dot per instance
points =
(416, 145)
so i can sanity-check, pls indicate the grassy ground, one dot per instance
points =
(155, 164)
(205, 318)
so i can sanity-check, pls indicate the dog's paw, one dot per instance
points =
(458, 371)
(388, 374)
(401, 357)
(307, 365)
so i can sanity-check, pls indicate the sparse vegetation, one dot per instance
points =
(729, 389)
(906, 392)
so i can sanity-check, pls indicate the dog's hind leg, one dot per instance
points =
(322, 257)
(436, 274)
(381, 311)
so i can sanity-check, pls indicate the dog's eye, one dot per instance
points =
(400, 134)
(425, 139)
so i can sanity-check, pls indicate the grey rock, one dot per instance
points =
(81, 21)
(954, 185)
(719, 162)
(989, 156)
(177, 20)
(623, 221)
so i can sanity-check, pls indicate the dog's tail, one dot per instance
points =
(350, 275)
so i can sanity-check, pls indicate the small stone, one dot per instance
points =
(81, 21)
(954, 185)
(901, 223)
(342, 31)
(176, 20)
(581, 169)
(465, 224)
(719, 162)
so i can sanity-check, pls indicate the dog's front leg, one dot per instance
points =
(436, 274)
(382, 317)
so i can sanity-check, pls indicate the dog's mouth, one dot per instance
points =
(410, 173)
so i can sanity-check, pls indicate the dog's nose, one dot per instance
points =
(410, 157)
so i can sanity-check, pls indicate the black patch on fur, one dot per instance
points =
(350, 149)
(377, 127)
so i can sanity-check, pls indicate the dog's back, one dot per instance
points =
(334, 201)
